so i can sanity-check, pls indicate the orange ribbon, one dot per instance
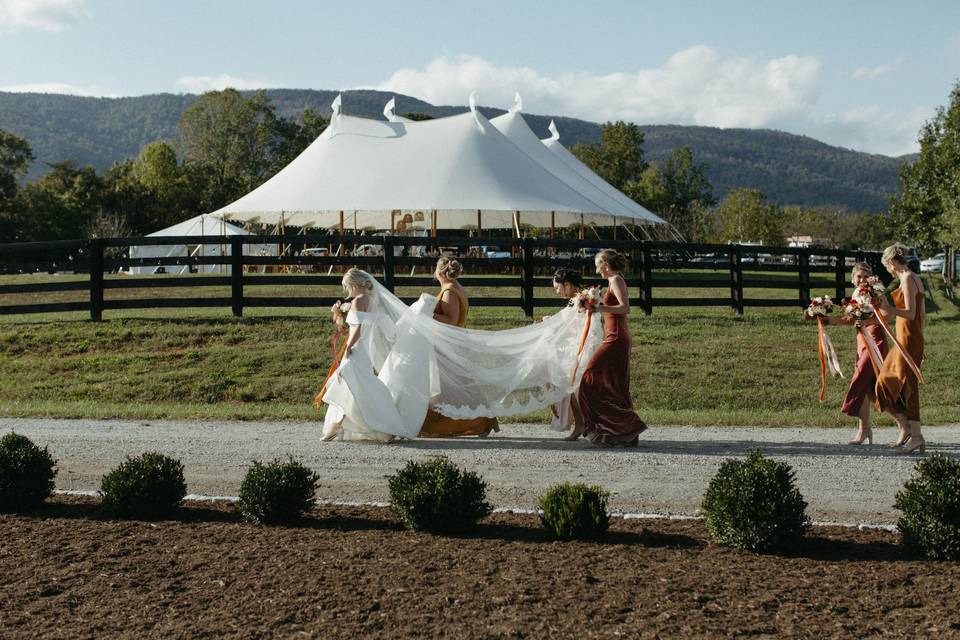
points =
(583, 341)
(906, 356)
(823, 359)
(337, 357)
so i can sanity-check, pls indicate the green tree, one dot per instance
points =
(680, 193)
(746, 216)
(926, 212)
(61, 204)
(15, 158)
(232, 141)
(618, 157)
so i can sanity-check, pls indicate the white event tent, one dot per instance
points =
(196, 228)
(449, 173)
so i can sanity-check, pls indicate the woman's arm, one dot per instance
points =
(448, 310)
(619, 288)
(360, 303)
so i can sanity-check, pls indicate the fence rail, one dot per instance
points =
(531, 262)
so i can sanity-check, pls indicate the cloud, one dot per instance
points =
(60, 87)
(870, 73)
(46, 15)
(200, 84)
(695, 86)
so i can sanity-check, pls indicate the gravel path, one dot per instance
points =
(668, 473)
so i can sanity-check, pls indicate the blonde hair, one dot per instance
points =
(449, 267)
(616, 261)
(357, 279)
(862, 266)
(895, 253)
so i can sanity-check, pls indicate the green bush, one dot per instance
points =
(575, 511)
(149, 486)
(277, 492)
(930, 502)
(26, 473)
(438, 497)
(754, 504)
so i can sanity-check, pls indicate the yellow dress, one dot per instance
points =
(440, 426)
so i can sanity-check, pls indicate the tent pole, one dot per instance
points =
(479, 225)
(516, 223)
(581, 227)
(553, 225)
(614, 227)
(433, 224)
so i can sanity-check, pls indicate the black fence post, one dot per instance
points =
(803, 270)
(646, 280)
(526, 276)
(96, 279)
(841, 275)
(236, 275)
(736, 278)
(388, 275)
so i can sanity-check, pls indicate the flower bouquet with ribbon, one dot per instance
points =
(819, 308)
(861, 306)
(336, 348)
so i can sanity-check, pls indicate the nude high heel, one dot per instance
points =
(917, 445)
(867, 437)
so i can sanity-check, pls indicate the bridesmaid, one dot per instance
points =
(860, 394)
(897, 385)
(604, 396)
(452, 308)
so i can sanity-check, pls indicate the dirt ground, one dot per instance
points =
(68, 571)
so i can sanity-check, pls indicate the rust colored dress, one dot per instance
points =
(865, 375)
(437, 425)
(604, 395)
(897, 385)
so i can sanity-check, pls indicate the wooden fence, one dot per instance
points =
(531, 263)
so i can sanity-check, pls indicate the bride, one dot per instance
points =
(399, 362)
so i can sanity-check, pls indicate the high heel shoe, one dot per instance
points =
(918, 445)
(900, 441)
(867, 436)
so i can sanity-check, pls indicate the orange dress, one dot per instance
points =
(437, 425)
(897, 385)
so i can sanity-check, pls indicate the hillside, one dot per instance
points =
(790, 169)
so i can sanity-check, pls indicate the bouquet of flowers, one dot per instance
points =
(588, 300)
(820, 306)
(861, 304)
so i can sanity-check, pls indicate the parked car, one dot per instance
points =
(933, 264)
(316, 251)
(913, 260)
(494, 252)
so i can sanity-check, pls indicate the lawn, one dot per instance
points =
(694, 366)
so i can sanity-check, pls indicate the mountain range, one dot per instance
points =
(790, 169)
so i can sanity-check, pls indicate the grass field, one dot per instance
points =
(694, 366)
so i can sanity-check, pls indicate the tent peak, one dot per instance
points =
(517, 103)
(473, 110)
(554, 132)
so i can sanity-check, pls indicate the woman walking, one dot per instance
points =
(604, 395)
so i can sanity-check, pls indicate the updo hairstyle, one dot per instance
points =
(895, 253)
(562, 276)
(615, 260)
(357, 279)
(449, 268)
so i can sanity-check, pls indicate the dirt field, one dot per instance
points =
(347, 572)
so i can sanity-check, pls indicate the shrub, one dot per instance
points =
(277, 492)
(930, 502)
(575, 511)
(754, 504)
(438, 497)
(26, 473)
(149, 486)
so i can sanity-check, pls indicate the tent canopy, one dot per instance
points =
(198, 227)
(464, 168)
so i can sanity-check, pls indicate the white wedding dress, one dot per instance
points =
(406, 362)
(364, 405)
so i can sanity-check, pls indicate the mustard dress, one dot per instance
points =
(437, 425)
(897, 385)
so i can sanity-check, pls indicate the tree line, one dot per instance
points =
(228, 144)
